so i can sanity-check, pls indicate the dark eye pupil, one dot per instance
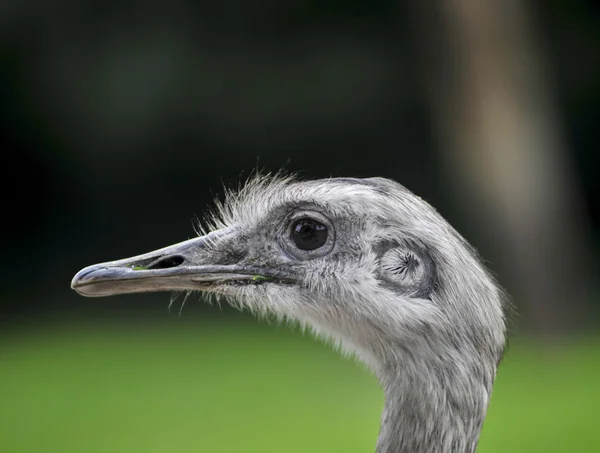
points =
(309, 234)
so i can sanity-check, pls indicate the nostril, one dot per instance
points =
(167, 262)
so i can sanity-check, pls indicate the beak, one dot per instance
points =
(188, 265)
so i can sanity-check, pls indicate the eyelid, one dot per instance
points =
(310, 214)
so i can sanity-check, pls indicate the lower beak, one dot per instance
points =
(189, 265)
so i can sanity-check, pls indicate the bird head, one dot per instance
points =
(362, 261)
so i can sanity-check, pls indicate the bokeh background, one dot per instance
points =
(121, 122)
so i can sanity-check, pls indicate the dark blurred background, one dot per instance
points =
(121, 122)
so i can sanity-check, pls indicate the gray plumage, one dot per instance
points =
(366, 263)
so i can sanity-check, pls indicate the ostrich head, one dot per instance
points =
(366, 263)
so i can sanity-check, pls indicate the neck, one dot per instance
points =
(434, 406)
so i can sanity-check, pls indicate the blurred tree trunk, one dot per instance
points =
(503, 150)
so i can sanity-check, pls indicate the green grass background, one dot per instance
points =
(199, 386)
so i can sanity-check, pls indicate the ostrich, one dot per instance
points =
(366, 263)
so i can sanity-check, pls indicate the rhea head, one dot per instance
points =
(364, 262)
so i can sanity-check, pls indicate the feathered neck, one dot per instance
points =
(434, 405)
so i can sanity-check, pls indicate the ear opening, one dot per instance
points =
(409, 269)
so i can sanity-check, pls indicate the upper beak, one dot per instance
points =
(189, 265)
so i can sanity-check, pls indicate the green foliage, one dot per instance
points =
(232, 387)
(261, 278)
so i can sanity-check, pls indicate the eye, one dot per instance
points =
(309, 234)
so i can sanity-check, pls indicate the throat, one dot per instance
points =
(433, 408)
